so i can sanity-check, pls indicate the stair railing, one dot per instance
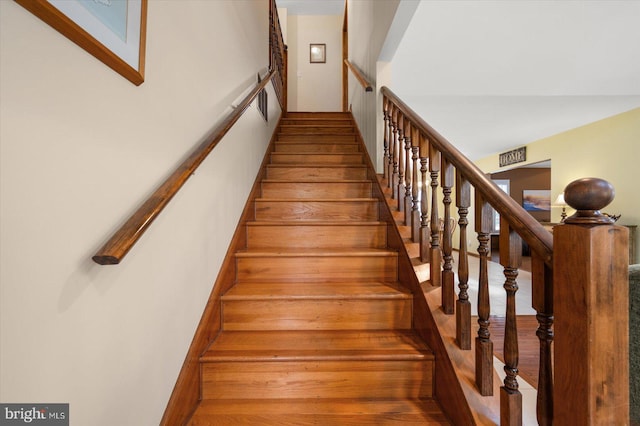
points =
(366, 85)
(117, 247)
(585, 275)
(278, 55)
(114, 250)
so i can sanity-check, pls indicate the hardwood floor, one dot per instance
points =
(528, 345)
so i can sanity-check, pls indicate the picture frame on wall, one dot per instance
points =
(317, 53)
(113, 32)
(535, 200)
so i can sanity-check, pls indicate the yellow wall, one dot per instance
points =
(608, 149)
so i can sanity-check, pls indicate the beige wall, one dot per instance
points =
(314, 87)
(80, 148)
(608, 149)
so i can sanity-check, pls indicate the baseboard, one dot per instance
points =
(186, 393)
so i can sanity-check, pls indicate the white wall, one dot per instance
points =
(80, 148)
(314, 87)
(283, 17)
(369, 23)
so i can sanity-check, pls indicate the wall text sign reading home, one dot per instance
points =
(514, 156)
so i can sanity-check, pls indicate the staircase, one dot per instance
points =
(317, 329)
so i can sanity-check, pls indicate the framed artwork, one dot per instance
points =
(536, 200)
(113, 31)
(317, 53)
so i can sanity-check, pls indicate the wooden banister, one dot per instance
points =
(531, 231)
(278, 55)
(359, 76)
(584, 380)
(124, 238)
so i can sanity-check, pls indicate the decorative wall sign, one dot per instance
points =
(114, 31)
(518, 155)
(317, 53)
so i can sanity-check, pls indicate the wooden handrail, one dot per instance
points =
(531, 231)
(129, 233)
(359, 76)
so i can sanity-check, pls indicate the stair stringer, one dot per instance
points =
(185, 396)
(447, 386)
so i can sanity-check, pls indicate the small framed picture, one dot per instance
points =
(317, 53)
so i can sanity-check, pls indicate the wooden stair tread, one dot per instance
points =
(347, 140)
(315, 181)
(314, 135)
(290, 114)
(316, 252)
(316, 154)
(318, 119)
(319, 124)
(325, 139)
(314, 223)
(317, 116)
(331, 290)
(347, 125)
(308, 200)
(277, 345)
(317, 165)
(301, 412)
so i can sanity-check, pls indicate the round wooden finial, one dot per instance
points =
(588, 196)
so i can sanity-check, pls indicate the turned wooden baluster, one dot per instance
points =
(405, 200)
(401, 166)
(448, 293)
(399, 189)
(436, 257)
(415, 202)
(392, 143)
(394, 175)
(542, 295)
(390, 112)
(408, 174)
(591, 297)
(385, 130)
(510, 259)
(463, 306)
(284, 76)
(425, 231)
(484, 345)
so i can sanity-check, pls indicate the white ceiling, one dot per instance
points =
(312, 7)
(491, 75)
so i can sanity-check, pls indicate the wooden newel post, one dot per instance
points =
(591, 349)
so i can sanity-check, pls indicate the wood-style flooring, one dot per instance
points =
(528, 345)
